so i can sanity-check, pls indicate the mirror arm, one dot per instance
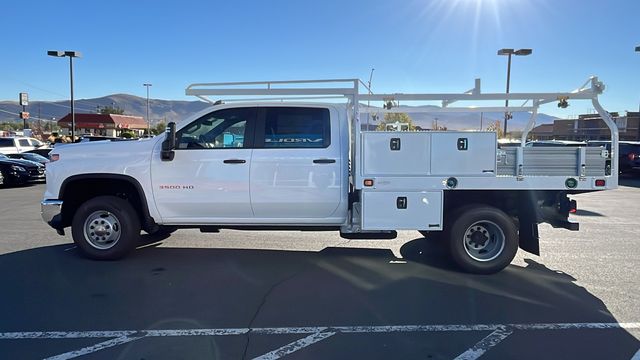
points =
(169, 143)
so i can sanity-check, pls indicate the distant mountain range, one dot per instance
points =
(159, 110)
(174, 110)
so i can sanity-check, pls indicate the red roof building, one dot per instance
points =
(106, 125)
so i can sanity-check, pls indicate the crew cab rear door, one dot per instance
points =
(296, 167)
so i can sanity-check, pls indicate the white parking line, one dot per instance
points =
(311, 330)
(316, 334)
(486, 343)
(93, 348)
(295, 346)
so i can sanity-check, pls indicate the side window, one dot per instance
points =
(296, 127)
(220, 129)
(24, 142)
(6, 142)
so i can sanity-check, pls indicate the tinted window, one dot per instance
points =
(24, 142)
(221, 129)
(294, 127)
(6, 142)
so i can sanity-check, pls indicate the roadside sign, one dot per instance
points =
(24, 99)
(24, 115)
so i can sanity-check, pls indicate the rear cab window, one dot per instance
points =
(294, 127)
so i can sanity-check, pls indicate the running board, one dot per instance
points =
(377, 235)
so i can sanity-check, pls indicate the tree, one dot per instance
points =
(159, 128)
(497, 127)
(111, 110)
(392, 118)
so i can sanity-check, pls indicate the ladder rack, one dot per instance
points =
(349, 90)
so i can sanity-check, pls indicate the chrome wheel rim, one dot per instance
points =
(483, 241)
(102, 230)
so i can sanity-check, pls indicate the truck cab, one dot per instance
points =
(255, 165)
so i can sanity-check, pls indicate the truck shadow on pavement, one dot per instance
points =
(50, 289)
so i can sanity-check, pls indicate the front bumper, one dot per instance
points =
(51, 211)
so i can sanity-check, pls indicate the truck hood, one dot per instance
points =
(104, 149)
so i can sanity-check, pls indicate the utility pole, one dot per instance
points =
(148, 119)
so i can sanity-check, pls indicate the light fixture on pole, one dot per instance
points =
(71, 55)
(509, 52)
(148, 119)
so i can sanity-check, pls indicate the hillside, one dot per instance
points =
(168, 110)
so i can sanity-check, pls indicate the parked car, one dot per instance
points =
(18, 144)
(17, 172)
(558, 143)
(628, 155)
(97, 138)
(30, 156)
(43, 151)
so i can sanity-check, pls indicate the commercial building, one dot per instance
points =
(105, 125)
(589, 127)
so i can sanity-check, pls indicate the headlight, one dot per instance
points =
(18, 168)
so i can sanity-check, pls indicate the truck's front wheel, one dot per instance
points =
(106, 228)
(482, 239)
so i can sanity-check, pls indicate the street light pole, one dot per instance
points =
(509, 52)
(148, 119)
(73, 112)
(638, 50)
(71, 55)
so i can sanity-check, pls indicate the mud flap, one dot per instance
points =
(529, 239)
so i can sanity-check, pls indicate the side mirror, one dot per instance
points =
(169, 143)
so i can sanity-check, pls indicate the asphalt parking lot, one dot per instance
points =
(268, 295)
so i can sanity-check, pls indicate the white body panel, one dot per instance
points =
(478, 159)
(131, 158)
(412, 159)
(287, 185)
(423, 210)
(197, 187)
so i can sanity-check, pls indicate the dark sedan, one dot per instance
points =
(30, 156)
(628, 155)
(42, 151)
(17, 172)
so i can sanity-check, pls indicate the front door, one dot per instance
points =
(208, 179)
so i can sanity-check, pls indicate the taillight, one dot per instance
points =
(54, 157)
(632, 156)
(600, 183)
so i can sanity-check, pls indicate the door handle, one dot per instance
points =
(324, 161)
(234, 161)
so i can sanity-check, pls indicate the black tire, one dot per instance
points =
(117, 228)
(481, 239)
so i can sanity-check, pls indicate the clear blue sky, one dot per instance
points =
(419, 46)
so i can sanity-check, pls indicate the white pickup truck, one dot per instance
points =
(16, 145)
(295, 165)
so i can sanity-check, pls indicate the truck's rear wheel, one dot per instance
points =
(105, 228)
(482, 239)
